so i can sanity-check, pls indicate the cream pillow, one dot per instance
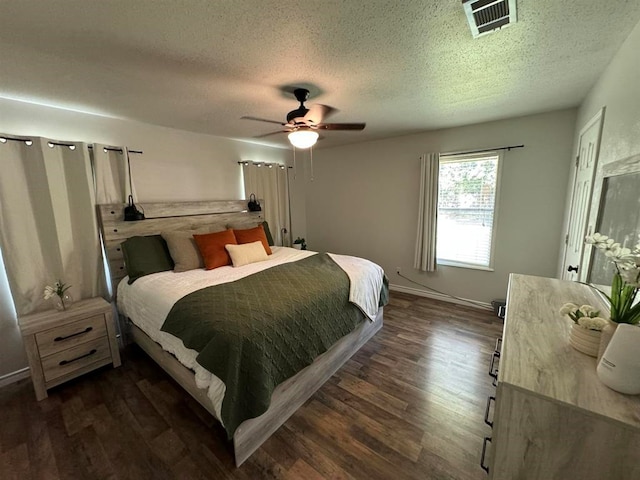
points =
(247, 253)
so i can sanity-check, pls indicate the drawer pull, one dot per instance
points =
(66, 362)
(484, 454)
(493, 373)
(486, 412)
(86, 330)
(498, 344)
(494, 382)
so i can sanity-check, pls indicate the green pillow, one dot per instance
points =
(146, 255)
(267, 232)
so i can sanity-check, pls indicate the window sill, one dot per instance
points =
(450, 263)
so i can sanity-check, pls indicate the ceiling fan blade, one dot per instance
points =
(342, 126)
(317, 113)
(257, 119)
(271, 133)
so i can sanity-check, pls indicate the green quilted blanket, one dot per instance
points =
(256, 332)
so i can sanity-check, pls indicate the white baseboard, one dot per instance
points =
(439, 296)
(14, 376)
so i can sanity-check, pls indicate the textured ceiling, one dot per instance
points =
(401, 66)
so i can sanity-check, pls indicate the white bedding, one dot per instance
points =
(148, 301)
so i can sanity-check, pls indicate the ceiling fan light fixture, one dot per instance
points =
(303, 138)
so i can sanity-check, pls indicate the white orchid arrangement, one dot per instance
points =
(59, 288)
(586, 316)
(626, 279)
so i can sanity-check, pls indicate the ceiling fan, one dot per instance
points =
(303, 123)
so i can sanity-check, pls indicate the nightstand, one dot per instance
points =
(63, 345)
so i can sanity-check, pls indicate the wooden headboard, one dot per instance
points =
(196, 217)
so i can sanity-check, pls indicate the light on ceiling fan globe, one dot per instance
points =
(303, 138)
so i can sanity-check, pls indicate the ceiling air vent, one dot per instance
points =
(485, 16)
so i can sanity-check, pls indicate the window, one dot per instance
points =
(467, 192)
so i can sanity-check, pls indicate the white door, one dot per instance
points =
(586, 160)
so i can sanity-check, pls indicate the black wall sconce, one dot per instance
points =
(131, 212)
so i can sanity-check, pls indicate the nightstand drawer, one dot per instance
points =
(66, 336)
(74, 358)
(64, 345)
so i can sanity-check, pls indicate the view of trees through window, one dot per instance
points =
(466, 204)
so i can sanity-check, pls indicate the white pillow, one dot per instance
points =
(247, 253)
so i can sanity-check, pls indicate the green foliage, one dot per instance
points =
(626, 279)
(467, 184)
(622, 297)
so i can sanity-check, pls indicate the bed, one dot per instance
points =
(149, 311)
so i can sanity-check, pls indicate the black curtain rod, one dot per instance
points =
(63, 144)
(509, 147)
(60, 144)
(279, 165)
(14, 139)
(114, 149)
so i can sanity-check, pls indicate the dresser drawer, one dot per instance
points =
(74, 358)
(66, 336)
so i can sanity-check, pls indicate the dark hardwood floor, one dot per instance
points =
(409, 404)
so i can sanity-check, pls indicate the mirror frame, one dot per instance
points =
(629, 165)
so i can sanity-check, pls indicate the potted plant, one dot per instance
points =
(300, 243)
(624, 286)
(586, 329)
(61, 298)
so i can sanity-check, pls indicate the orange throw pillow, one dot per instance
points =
(251, 235)
(211, 246)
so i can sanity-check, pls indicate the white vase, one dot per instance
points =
(607, 333)
(585, 340)
(297, 246)
(619, 368)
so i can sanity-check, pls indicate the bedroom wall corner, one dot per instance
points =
(617, 89)
(299, 176)
(176, 165)
(364, 199)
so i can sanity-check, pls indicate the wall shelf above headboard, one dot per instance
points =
(195, 217)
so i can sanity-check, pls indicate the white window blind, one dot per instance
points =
(467, 190)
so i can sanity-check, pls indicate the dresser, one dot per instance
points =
(62, 345)
(552, 418)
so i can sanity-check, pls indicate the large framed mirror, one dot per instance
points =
(618, 216)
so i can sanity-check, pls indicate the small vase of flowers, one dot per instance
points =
(624, 285)
(586, 329)
(62, 299)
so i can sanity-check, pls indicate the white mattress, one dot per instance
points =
(149, 299)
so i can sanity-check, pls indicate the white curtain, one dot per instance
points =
(425, 252)
(270, 186)
(48, 228)
(111, 171)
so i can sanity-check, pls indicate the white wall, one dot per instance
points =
(617, 89)
(176, 166)
(364, 200)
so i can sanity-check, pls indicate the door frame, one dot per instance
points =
(598, 117)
